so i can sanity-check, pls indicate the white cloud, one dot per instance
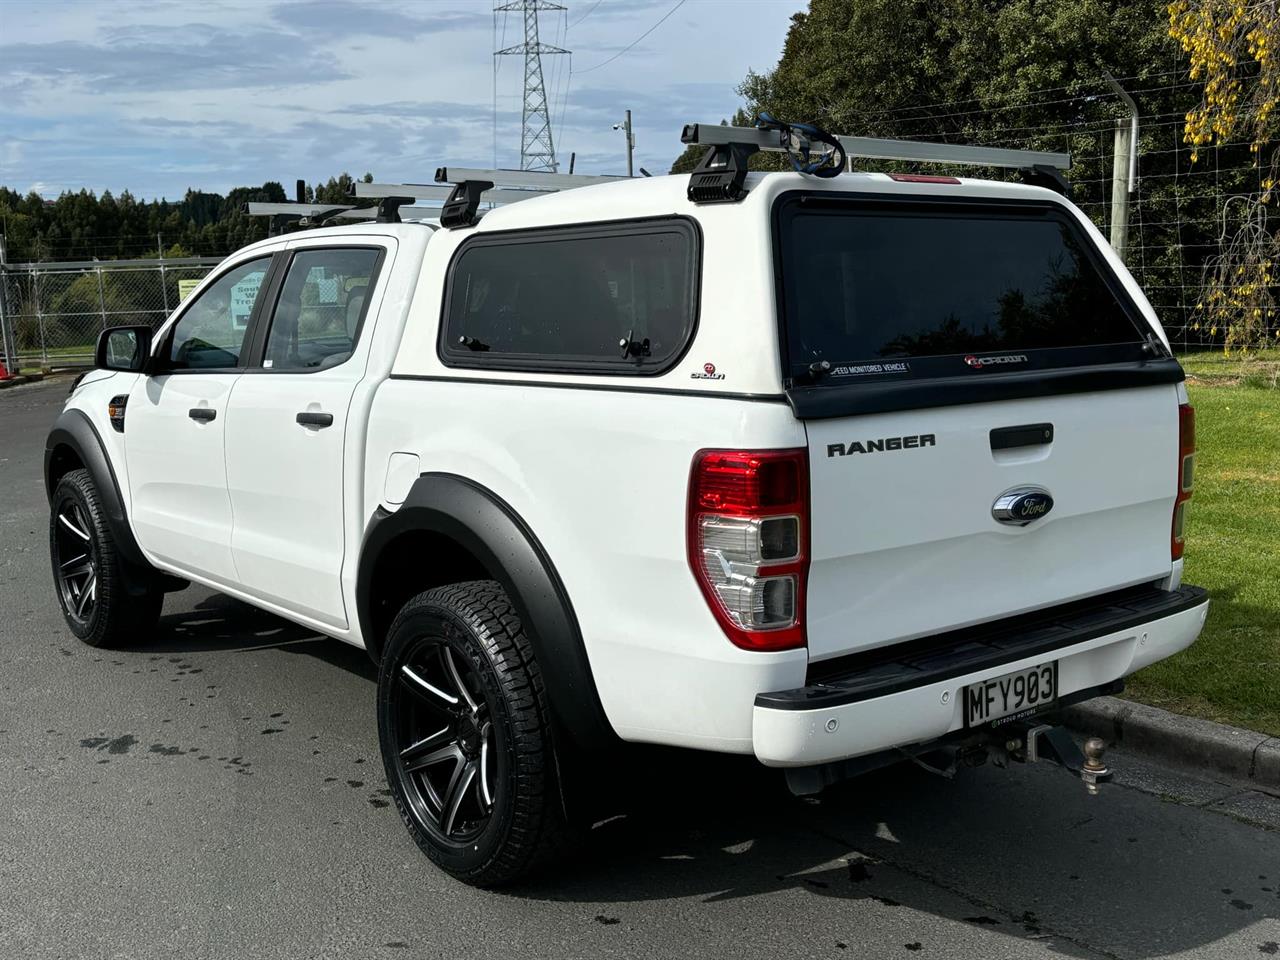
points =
(157, 97)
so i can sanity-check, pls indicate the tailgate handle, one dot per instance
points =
(1025, 435)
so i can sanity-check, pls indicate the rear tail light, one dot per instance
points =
(749, 542)
(1186, 474)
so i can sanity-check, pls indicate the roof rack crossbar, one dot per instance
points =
(307, 210)
(439, 194)
(522, 179)
(714, 134)
(389, 209)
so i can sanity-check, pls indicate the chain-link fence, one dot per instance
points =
(51, 313)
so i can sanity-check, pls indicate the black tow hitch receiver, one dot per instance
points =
(1055, 744)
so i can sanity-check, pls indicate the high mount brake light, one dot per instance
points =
(1186, 475)
(748, 541)
(921, 178)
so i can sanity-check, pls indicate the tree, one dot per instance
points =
(82, 226)
(1015, 73)
(1231, 49)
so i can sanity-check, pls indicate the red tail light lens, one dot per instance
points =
(748, 540)
(1186, 475)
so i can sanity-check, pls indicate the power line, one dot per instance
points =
(587, 14)
(678, 5)
(1031, 93)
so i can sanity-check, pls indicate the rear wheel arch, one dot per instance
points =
(482, 538)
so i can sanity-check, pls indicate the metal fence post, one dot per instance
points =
(35, 294)
(164, 287)
(8, 335)
(102, 300)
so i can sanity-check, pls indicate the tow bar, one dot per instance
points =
(1055, 745)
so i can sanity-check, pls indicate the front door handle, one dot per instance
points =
(203, 414)
(309, 419)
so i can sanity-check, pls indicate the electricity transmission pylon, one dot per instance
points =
(537, 147)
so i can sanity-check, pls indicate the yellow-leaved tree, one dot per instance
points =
(1232, 49)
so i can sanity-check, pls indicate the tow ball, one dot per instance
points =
(1055, 745)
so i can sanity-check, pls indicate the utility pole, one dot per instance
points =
(1124, 170)
(625, 126)
(537, 146)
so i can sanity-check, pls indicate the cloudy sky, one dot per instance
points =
(160, 95)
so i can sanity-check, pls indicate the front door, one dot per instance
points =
(287, 429)
(175, 421)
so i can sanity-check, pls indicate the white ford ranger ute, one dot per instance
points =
(830, 471)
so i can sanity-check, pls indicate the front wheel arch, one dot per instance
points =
(74, 443)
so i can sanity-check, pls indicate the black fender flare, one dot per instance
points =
(486, 525)
(73, 429)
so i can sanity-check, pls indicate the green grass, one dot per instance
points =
(1232, 673)
(58, 356)
(1214, 368)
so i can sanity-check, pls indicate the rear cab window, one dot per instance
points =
(321, 307)
(618, 298)
(875, 289)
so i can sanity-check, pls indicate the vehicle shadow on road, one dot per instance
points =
(1024, 853)
(217, 622)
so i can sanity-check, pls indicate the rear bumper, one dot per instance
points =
(911, 694)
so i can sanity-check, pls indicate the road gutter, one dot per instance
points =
(1245, 755)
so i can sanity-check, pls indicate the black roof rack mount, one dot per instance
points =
(464, 200)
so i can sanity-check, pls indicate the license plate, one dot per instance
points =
(1011, 696)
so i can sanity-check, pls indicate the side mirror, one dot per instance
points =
(123, 348)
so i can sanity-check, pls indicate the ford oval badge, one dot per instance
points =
(1022, 506)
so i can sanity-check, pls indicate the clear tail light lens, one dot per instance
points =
(748, 542)
(1186, 475)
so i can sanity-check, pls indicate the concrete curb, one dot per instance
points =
(19, 380)
(1242, 754)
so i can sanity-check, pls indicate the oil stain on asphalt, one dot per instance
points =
(116, 745)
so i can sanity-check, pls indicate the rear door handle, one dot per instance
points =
(310, 419)
(203, 414)
(1024, 435)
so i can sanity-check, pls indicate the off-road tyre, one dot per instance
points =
(470, 633)
(89, 576)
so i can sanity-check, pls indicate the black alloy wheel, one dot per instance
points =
(466, 735)
(75, 559)
(447, 758)
(101, 605)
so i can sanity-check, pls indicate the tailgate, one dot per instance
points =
(905, 540)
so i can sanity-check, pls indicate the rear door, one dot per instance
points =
(175, 421)
(287, 425)
(991, 430)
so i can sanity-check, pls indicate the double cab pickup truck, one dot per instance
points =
(829, 471)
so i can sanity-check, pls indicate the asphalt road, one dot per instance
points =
(215, 791)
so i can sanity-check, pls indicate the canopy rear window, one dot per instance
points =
(875, 289)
